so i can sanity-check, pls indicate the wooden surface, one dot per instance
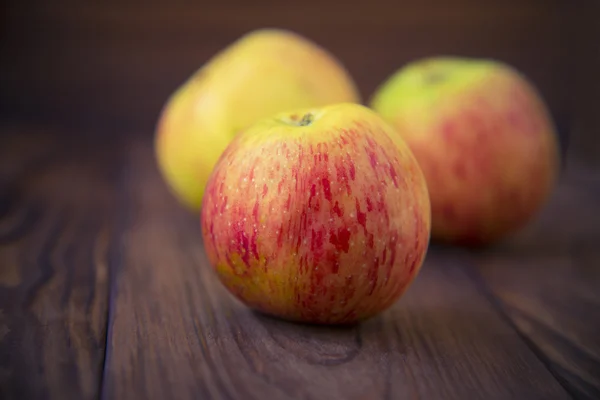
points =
(546, 281)
(105, 292)
(57, 219)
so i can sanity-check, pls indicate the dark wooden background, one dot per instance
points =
(110, 62)
(105, 291)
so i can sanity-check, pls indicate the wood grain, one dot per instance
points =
(546, 280)
(58, 212)
(176, 333)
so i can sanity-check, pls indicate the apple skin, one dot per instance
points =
(326, 223)
(483, 138)
(264, 72)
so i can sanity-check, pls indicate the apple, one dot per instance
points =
(264, 72)
(484, 139)
(317, 215)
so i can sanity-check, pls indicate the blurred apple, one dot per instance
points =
(318, 215)
(483, 138)
(264, 72)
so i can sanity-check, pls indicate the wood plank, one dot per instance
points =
(55, 234)
(176, 333)
(547, 278)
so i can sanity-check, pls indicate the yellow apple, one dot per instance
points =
(318, 215)
(484, 139)
(262, 73)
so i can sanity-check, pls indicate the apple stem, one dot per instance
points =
(307, 119)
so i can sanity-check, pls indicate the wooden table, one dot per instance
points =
(106, 292)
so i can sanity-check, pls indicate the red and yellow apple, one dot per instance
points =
(262, 73)
(483, 138)
(319, 215)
